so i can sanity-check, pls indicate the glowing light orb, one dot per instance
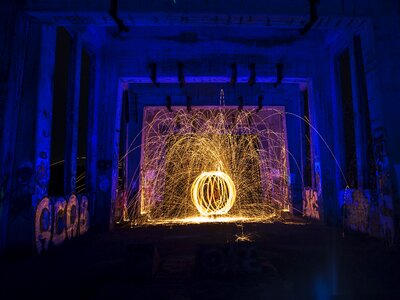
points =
(213, 193)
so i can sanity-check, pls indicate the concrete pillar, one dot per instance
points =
(17, 41)
(19, 232)
(31, 145)
(44, 108)
(110, 102)
(94, 85)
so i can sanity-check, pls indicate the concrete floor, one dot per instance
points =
(282, 261)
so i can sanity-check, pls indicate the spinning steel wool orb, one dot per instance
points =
(213, 193)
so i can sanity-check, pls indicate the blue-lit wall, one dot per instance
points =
(206, 37)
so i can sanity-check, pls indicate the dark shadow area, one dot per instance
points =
(281, 261)
(59, 120)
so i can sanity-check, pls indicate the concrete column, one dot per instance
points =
(108, 138)
(95, 68)
(44, 108)
(19, 196)
(30, 166)
(12, 104)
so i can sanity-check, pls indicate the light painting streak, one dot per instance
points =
(213, 193)
(180, 149)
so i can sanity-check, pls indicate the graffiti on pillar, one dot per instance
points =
(41, 172)
(357, 210)
(43, 224)
(84, 221)
(382, 165)
(318, 182)
(59, 228)
(58, 220)
(385, 200)
(310, 203)
(121, 210)
(21, 194)
(42, 177)
(72, 217)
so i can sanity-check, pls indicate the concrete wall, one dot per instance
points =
(206, 37)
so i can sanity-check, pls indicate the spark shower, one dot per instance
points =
(213, 164)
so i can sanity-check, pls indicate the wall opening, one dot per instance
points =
(59, 118)
(369, 166)
(349, 162)
(216, 161)
(82, 154)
